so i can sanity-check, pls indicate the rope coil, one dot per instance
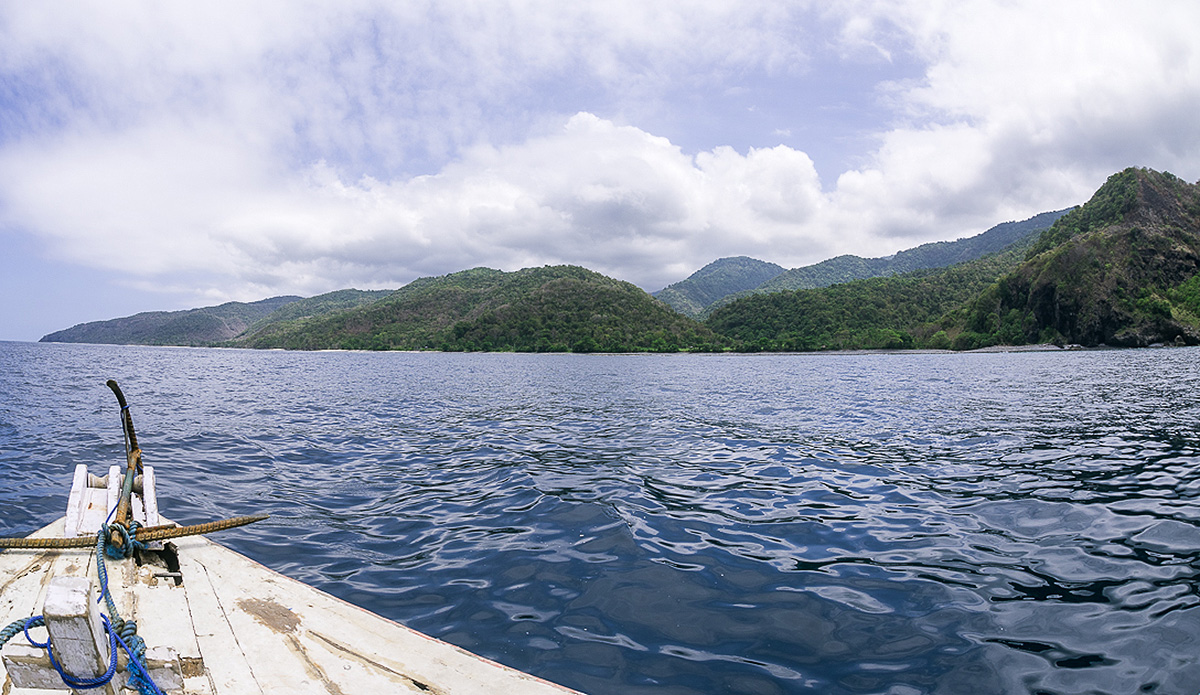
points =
(76, 682)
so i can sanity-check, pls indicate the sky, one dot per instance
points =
(170, 155)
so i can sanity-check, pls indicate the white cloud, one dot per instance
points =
(610, 197)
(390, 88)
(1024, 106)
(304, 147)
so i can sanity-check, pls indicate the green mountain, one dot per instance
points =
(1120, 270)
(322, 304)
(716, 281)
(832, 271)
(938, 254)
(899, 311)
(555, 308)
(204, 326)
(214, 325)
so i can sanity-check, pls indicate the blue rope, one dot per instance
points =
(13, 628)
(75, 681)
(102, 571)
(125, 631)
(129, 541)
(122, 632)
(17, 626)
(138, 676)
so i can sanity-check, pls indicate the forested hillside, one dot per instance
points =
(914, 310)
(714, 282)
(561, 308)
(938, 254)
(1120, 270)
(213, 325)
(320, 305)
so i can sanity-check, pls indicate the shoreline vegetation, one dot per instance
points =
(1118, 271)
(990, 350)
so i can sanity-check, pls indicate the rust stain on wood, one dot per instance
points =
(275, 616)
(191, 666)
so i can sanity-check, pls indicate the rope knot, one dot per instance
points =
(115, 531)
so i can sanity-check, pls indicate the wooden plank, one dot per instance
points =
(256, 631)
(24, 580)
(274, 663)
(25, 574)
(136, 510)
(76, 502)
(163, 616)
(150, 497)
(223, 659)
(304, 640)
(29, 670)
(94, 512)
(116, 476)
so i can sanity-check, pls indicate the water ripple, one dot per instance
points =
(980, 523)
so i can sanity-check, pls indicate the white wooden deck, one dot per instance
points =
(235, 627)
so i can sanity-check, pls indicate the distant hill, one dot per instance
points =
(892, 312)
(203, 326)
(557, 308)
(320, 305)
(716, 281)
(1120, 270)
(214, 325)
(938, 254)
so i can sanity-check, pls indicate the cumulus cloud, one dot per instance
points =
(1022, 106)
(306, 147)
(610, 197)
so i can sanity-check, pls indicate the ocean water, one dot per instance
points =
(671, 524)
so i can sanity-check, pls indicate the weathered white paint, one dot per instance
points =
(77, 501)
(238, 628)
(89, 506)
(149, 498)
(78, 637)
(116, 476)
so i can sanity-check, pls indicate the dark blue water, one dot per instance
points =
(901, 524)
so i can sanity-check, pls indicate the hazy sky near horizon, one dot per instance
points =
(174, 155)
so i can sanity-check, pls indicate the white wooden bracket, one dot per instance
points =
(92, 499)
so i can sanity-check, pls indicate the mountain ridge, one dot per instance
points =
(890, 312)
(936, 254)
(1120, 270)
(715, 281)
(548, 309)
(1115, 271)
(201, 326)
